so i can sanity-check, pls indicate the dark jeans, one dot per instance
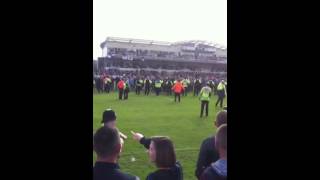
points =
(169, 91)
(120, 93)
(138, 89)
(204, 104)
(175, 97)
(99, 88)
(107, 88)
(158, 91)
(126, 92)
(221, 96)
(196, 91)
(185, 91)
(147, 90)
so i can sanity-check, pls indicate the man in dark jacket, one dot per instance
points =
(139, 84)
(126, 90)
(147, 85)
(218, 170)
(107, 145)
(208, 153)
(196, 87)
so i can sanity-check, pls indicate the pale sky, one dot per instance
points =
(162, 20)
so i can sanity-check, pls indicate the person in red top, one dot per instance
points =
(177, 88)
(120, 86)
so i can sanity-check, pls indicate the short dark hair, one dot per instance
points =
(105, 141)
(165, 154)
(221, 118)
(221, 137)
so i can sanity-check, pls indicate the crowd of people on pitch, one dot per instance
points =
(177, 86)
(147, 83)
(108, 144)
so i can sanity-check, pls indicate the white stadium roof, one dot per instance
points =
(142, 41)
(164, 43)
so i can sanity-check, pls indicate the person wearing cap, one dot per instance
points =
(120, 86)
(205, 95)
(109, 120)
(221, 91)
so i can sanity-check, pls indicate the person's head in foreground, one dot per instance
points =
(218, 170)
(109, 118)
(107, 144)
(221, 118)
(162, 153)
(221, 141)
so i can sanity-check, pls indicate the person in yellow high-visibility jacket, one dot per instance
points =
(157, 85)
(185, 84)
(204, 97)
(139, 84)
(221, 92)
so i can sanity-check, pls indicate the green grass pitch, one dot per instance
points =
(157, 115)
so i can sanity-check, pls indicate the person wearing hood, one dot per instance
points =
(161, 152)
(218, 170)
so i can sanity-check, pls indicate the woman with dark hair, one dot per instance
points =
(162, 154)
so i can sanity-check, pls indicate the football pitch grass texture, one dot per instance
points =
(157, 115)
